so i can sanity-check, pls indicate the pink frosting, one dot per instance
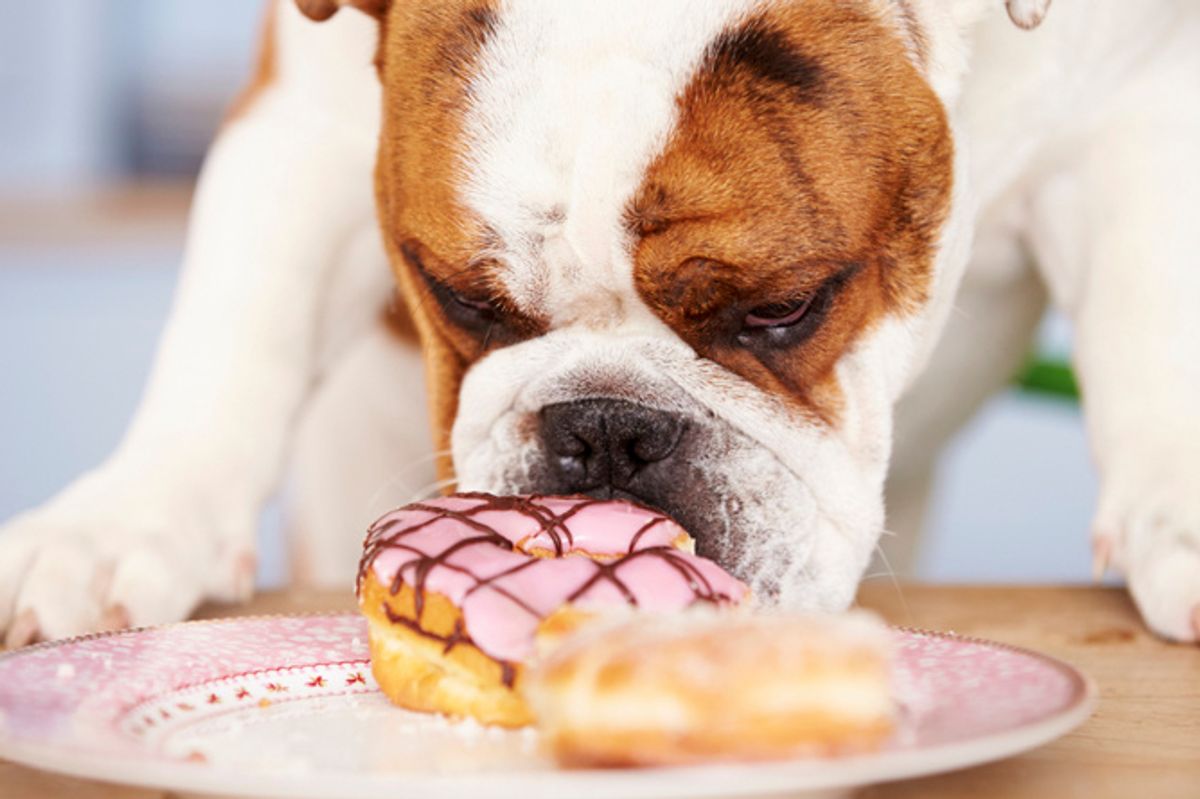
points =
(504, 593)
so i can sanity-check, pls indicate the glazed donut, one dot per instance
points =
(700, 686)
(456, 588)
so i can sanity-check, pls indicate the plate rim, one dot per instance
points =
(675, 781)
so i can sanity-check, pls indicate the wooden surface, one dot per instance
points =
(1143, 742)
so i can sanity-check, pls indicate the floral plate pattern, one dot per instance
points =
(286, 706)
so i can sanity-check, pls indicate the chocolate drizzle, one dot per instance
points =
(390, 533)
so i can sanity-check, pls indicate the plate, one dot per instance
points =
(285, 706)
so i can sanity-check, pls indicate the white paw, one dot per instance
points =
(112, 553)
(1152, 536)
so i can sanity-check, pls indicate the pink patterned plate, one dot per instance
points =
(286, 707)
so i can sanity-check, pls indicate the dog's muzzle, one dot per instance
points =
(611, 448)
(618, 449)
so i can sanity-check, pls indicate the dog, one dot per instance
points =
(691, 253)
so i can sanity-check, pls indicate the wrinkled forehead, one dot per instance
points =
(568, 110)
(537, 108)
(520, 134)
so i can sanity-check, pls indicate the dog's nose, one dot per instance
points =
(596, 445)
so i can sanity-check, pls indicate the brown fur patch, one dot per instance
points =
(426, 61)
(398, 321)
(810, 160)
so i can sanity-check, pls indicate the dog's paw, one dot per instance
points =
(1152, 536)
(100, 557)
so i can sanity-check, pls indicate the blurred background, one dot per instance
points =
(106, 108)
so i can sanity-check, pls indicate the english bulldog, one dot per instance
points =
(689, 252)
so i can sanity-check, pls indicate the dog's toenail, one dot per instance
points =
(25, 630)
(245, 569)
(115, 618)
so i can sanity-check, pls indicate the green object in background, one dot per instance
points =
(1048, 376)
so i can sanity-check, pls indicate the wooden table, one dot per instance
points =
(1143, 742)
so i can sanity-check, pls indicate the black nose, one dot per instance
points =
(594, 446)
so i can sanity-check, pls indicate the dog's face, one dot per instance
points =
(682, 252)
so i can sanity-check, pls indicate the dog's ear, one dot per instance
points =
(321, 10)
(1027, 14)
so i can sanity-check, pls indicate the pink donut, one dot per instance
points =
(509, 562)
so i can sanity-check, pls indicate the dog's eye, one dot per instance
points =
(483, 307)
(472, 312)
(463, 308)
(785, 324)
(776, 315)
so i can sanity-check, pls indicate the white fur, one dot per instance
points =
(1081, 138)
(1084, 160)
(996, 311)
(362, 447)
(1113, 224)
(552, 81)
(171, 517)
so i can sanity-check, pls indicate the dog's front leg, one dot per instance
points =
(170, 518)
(1118, 235)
